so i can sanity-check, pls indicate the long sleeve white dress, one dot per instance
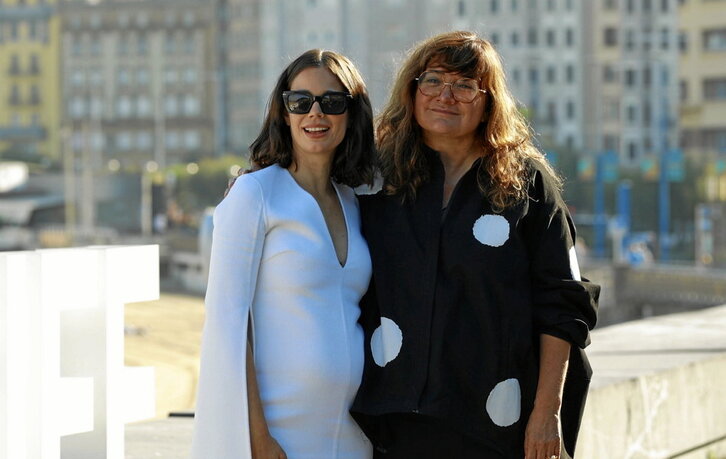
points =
(273, 261)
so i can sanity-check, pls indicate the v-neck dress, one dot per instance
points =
(273, 262)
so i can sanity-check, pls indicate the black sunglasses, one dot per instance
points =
(331, 103)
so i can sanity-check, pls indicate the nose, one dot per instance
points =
(447, 92)
(315, 109)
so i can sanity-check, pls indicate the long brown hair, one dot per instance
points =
(505, 136)
(354, 159)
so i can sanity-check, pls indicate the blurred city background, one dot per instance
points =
(121, 122)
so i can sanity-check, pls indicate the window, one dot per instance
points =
(550, 38)
(569, 37)
(515, 76)
(683, 41)
(714, 88)
(646, 76)
(609, 74)
(461, 9)
(532, 37)
(143, 106)
(683, 90)
(191, 105)
(14, 65)
(515, 39)
(611, 36)
(172, 140)
(550, 5)
(714, 40)
(632, 150)
(142, 76)
(142, 45)
(632, 113)
(664, 5)
(630, 78)
(552, 112)
(123, 46)
(494, 6)
(570, 73)
(171, 105)
(123, 141)
(611, 142)
(123, 107)
(495, 38)
(144, 140)
(191, 140)
(611, 109)
(533, 75)
(646, 114)
(170, 76)
(629, 40)
(630, 6)
(190, 75)
(570, 110)
(551, 74)
(14, 95)
(34, 95)
(122, 77)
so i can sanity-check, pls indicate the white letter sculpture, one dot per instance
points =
(64, 390)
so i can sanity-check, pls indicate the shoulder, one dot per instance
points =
(543, 185)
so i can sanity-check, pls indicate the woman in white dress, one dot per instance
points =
(289, 264)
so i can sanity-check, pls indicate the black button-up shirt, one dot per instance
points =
(458, 300)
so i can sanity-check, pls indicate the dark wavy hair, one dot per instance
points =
(355, 157)
(506, 140)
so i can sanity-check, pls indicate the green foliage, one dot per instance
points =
(195, 191)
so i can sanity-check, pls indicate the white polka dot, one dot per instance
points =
(491, 230)
(386, 342)
(504, 403)
(574, 265)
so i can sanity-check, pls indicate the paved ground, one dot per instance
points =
(173, 326)
(165, 334)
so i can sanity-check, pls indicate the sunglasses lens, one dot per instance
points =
(334, 104)
(298, 103)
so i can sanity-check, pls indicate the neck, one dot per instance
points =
(312, 174)
(456, 156)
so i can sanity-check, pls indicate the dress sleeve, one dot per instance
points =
(221, 416)
(564, 303)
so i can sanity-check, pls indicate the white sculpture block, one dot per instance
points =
(64, 391)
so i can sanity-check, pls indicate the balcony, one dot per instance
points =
(22, 133)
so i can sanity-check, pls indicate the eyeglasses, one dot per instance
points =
(331, 103)
(464, 89)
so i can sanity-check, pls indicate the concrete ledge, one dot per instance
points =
(659, 392)
(659, 389)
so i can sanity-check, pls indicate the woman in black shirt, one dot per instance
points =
(476, 304)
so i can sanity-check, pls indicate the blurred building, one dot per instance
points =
(139, 81)
(29, 95)
(702, 75)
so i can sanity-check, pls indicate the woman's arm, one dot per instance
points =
(222, 429)
(542, 438)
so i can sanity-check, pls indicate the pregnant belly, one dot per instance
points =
(302, 365)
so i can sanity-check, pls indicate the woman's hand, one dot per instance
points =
(266, 447)
(542, 439)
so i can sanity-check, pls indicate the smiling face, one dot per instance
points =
(316, 133)
(443, 115)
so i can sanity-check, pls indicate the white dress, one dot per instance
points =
(273, 260)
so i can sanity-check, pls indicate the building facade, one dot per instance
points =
(139, 82)
(29, 76)
(702, 75)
